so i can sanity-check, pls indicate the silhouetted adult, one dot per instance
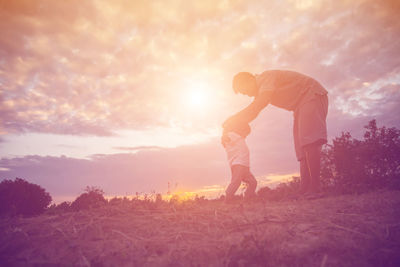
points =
(295, 92)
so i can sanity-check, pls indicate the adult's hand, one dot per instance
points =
(225, 140)
(250, 112)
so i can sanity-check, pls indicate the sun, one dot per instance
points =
(197, 97)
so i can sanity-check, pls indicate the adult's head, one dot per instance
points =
(245, 83)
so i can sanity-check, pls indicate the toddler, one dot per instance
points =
(233, 140)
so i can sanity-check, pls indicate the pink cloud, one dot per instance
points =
(103, 66)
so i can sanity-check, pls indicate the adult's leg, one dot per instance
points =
(312, 133)
(251, 185)
(305, 179)
(313, 160)
(236, 179)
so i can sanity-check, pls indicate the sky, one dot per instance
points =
(129, 96)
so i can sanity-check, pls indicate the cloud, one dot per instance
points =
(151, 168)
(96, 67)
(144, 171)
(137, 148)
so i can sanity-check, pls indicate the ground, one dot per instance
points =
(346, 230)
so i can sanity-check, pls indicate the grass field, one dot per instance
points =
(346, 230)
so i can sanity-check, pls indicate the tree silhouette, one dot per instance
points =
(20, 197)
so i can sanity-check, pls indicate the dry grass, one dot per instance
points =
(347, 230)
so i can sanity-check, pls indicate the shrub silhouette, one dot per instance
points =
(352, 165)
(283, 190)
(59, 208)
(20, 197)
(92, 198)
(64, 206)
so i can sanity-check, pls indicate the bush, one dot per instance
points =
(63, 207)
(352, 165)
(282, 191)
(20, 197)
(59, 208)
(349, 165)
(92, 198)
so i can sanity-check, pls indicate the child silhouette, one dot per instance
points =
(233, 140)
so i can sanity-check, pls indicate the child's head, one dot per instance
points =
(242, 129)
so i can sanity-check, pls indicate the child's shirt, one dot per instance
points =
(237, 151)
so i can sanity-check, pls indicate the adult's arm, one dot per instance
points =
(225, 138)
(250, 112)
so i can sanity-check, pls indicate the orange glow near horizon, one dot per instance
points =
(214, 191)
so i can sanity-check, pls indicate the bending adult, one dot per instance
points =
(308, 101)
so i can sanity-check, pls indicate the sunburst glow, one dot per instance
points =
(197, 97)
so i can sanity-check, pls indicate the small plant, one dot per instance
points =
(282, 191)
(265, 193)
(64, 206)
(158, 199)
(93, 197)
(59, 208)
(20, 197)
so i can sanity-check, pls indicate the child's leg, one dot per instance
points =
(251, 184)
(238, 172)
